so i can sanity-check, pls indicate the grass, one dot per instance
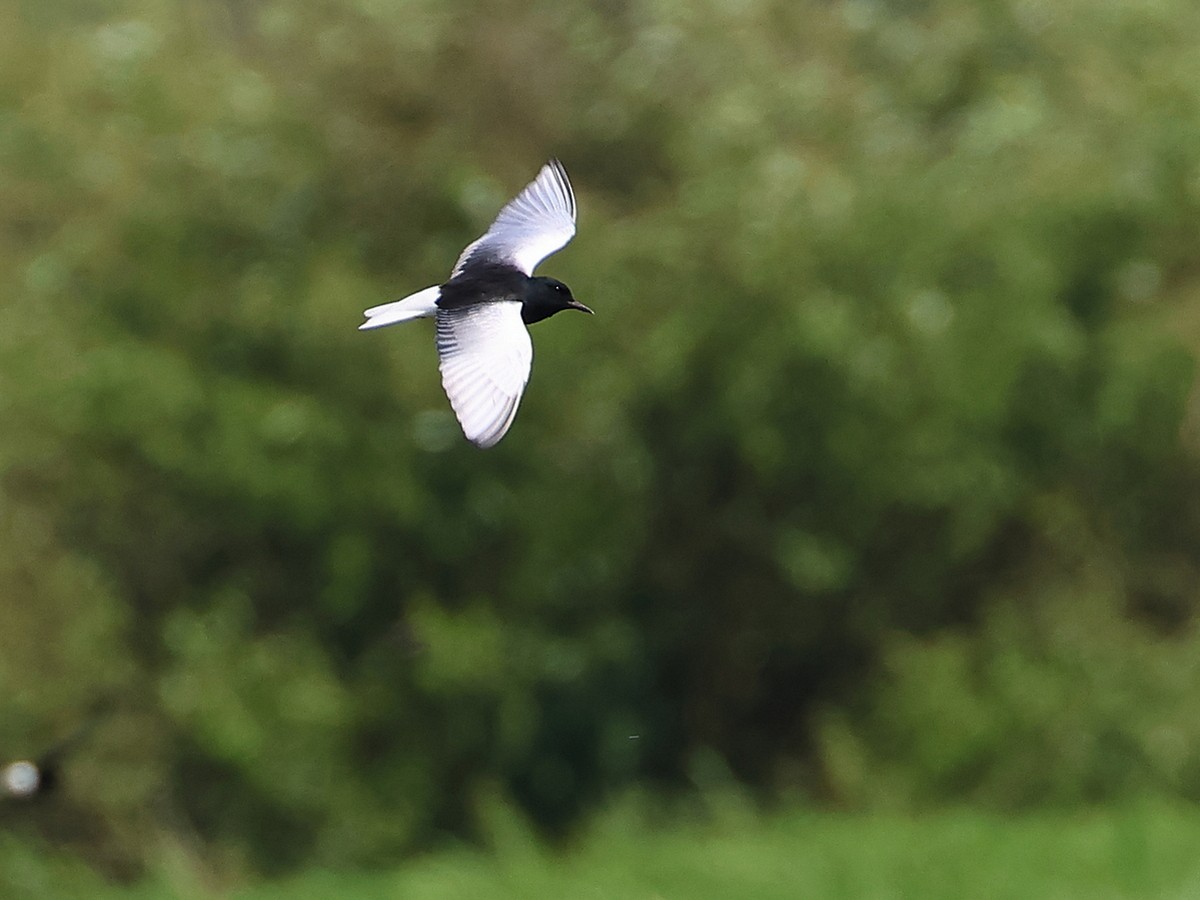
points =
(1146, 851)
(1140, 853)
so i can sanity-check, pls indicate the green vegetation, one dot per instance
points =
(871, 487)
(1134, 853)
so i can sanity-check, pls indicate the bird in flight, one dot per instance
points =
(484, 350)
(23, 779)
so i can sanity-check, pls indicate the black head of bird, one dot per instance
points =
(484, 351)
(546, 296)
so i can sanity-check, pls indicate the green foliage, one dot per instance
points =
(870, 481)
(1064, 701)
(1144, 851)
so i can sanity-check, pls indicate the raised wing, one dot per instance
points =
(539, 221)
(485, 356)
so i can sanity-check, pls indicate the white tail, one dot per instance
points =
(414, 306)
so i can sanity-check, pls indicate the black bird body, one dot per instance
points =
(492, 282)
(484, 350)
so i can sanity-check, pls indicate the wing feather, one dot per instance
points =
(534, 224)
(485, 356)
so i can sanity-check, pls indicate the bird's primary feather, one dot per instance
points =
(485, 356)
(536, 223)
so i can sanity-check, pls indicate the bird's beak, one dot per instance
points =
(575, 304)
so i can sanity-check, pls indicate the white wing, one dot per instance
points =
(485, 356)
(539, 221)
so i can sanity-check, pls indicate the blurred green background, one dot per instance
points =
(850, 550)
